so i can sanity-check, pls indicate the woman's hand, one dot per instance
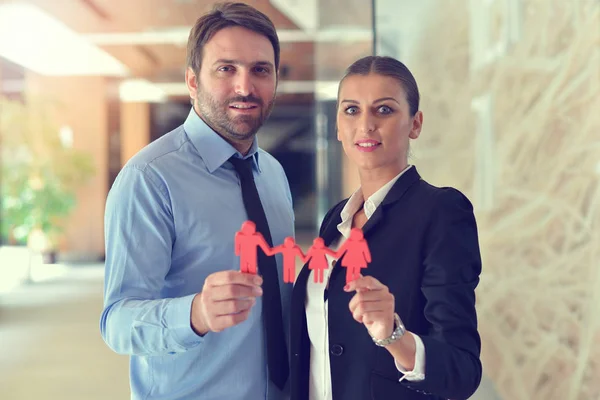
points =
(372, 305)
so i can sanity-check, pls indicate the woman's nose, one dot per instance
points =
(367, 123)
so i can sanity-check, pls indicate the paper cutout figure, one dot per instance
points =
(317, 260)
(355, 251)
(247, 240)
(289, 249)
(356, 254)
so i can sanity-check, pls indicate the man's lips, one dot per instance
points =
(243, 106)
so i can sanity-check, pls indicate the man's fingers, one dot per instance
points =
(225, 314)
(226, 299)
(228, 307)
(227, 321)
(232, 291)
(223, 278)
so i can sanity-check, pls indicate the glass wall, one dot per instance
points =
(11, 83)
(344, 37)
(510, 100)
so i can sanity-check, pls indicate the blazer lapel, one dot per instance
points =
(374, 220)
(330, 230)
(401, 186)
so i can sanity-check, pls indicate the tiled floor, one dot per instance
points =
(50, 346)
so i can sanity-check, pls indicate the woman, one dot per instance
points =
(407, 329)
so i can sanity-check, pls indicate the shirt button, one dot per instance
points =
(336, 350)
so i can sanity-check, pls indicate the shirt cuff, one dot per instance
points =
(418, 372)
(179, 322)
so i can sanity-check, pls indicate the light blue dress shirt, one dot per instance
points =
(170, 221)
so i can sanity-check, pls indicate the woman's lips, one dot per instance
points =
(367, 146)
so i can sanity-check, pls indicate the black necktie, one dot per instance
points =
(277, 358)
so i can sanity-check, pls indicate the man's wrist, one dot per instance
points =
(177, 320)
(196, 320)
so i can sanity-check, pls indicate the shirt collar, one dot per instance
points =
(370, 205)
(211, 147)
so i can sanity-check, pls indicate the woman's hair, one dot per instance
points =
(225, 15)
(387, 66)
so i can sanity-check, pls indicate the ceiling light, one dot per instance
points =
(141, 91)
(41, 43)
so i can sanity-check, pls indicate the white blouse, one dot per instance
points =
(316, 307)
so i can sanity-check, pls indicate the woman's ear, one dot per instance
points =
(417, 125)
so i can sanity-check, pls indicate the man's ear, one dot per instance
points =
(191, 80)
(417, 125)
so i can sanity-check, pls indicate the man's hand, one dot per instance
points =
(225, 301)
(372, 305)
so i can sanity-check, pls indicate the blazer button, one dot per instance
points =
(336, 350)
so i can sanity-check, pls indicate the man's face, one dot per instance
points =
(236, 87)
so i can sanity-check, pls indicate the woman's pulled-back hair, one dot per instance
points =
(388, 66)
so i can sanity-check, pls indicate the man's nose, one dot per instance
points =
(243, 84)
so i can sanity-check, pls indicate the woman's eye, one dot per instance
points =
(351, 110)
(384, 110)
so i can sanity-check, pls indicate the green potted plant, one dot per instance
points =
(40, 175)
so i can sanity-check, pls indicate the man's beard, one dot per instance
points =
(240, 128)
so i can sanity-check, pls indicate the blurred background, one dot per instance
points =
(511, 98)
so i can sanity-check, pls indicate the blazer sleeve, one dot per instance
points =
(452, 266)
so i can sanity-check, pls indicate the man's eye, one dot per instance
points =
(226, 68)
(261, 70)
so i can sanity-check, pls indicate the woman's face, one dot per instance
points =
(374, 122)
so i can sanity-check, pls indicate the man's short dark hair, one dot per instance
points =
(225, 15)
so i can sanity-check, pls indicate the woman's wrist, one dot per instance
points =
(404, 351)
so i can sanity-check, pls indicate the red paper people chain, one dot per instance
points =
(355, 251)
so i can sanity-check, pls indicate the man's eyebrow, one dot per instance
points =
(227, 61)
(238, 62)
(265, 64)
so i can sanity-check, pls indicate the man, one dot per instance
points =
(175, 301)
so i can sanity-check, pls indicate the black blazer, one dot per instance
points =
(424, 247)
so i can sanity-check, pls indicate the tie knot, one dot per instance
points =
(242, 167)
